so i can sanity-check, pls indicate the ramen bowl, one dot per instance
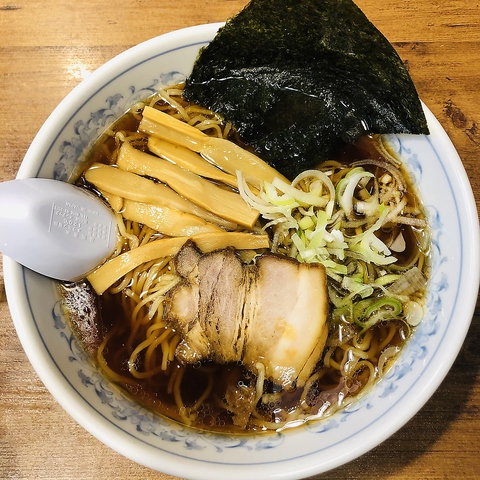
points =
(158, 443)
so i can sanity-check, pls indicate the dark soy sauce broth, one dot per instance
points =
(156, 393)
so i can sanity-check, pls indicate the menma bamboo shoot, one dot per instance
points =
(115, 268)
(165, 220)
(120, 183)
(225, 154)
(224, 203)
(195, 163)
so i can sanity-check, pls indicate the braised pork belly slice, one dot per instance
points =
(287, 331)
(271, 312)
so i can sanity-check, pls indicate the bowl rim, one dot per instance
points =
(14, 275)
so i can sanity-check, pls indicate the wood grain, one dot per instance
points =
(48, 46)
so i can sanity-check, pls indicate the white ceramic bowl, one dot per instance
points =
(165, 446)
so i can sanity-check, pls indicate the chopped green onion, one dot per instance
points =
(346, 188)
(303, 198)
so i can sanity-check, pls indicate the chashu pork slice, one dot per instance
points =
(271, 312)
(287, 331)
(205, 308)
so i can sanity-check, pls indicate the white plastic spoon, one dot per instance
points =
(54, 228)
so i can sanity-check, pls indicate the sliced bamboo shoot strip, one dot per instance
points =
(226, 204)
(183, 157)
(118, 182)
(115, 201)
(114, 269)
(166, 220)
(227, 155)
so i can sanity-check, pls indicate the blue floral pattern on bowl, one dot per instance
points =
(88, 130)
(148, 423)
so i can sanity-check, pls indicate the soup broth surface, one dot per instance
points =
(219, 397)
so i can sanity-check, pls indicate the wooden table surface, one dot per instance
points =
(48, 46)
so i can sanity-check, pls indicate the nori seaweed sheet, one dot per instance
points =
(300, 78)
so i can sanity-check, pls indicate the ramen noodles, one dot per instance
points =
(357, 218)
